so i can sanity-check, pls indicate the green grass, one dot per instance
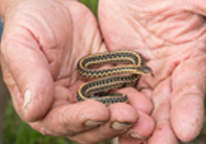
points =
(15, 131)
(92, 4)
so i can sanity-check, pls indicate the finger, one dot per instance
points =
(139, 132)
(138, 100)
(161, 114)
(70, 119)
(188, 98)
(145, 125)
(27, 71)
(122, 117)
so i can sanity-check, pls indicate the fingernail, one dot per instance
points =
(136, 136)
(121, 126)
(90, 123)
(27, 98)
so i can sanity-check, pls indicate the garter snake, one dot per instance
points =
(111, 78)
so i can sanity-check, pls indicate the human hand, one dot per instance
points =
(42, 42)
(171, 36)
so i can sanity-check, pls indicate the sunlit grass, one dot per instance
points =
(92, 4)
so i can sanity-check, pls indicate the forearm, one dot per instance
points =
(7, 5)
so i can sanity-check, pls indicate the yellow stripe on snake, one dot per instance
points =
(111, 78)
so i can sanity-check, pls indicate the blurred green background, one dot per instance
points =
(17, 132)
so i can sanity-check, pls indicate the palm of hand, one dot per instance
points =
(54, 36)
(56, 44)
(171, 38)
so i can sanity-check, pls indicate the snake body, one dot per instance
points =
(111, 78)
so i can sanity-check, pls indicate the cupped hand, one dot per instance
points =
(42, 43)
(171, 37)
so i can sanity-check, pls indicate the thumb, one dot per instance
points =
(188, 98)
(27, 75)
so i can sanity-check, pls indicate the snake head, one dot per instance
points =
(143, 70)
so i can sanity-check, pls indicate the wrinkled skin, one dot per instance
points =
(42, 43)
(171, 36)
(43, 40)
